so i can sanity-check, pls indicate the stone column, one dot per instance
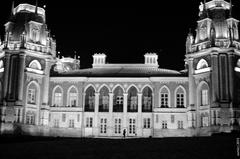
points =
(139, 122)
(22, 57)
(125, 95)
(110, 121)
(215, 79)
(95, 124)
(6, 75)
(231, 78)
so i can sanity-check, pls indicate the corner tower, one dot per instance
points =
(27, 55)
(211, 56)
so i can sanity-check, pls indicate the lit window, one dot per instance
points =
(180, 100)
(164, 100)
(90, 99)
(73, 99)
(180, 124)
(119, 100)
(172, 118)
(31, 96)
(104, 100)
(132, 99)
(204, 95)
(30, 118)
(56, 123)
(58, 99)
(147, 100)
(132, 126)
(71, 123)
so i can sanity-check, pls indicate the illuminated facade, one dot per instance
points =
(41, 94)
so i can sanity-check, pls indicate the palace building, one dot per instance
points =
(43, 94)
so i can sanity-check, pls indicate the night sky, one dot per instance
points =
(123, 34)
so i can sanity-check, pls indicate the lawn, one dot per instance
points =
(215, 147)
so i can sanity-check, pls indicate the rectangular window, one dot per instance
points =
(164, 100)
(71, 123)
(105, 101)
(91, 102)
(180, 100)
(146, 123)
(147, 103)
(73, 99)
(172, 118)
(56, 123)
(204, 97)
(63, 117)
(180, 124)
(89, 122)
(31, 96)
(58, 99)
(103, 126)
(132, 126)
(164, 124)
(119, 100)
(78, 118)
(117, 126)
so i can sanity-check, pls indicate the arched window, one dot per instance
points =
(104, 100)
(72, 97)
(164, 97)
(203, 94)
(132, 100)
(58, 97)
(90, 99)
(118, 99)
(204, 119)
(180, 95)
(202, 64)
(147, 100)
(32, 93)
(35, 65)
(30, 118)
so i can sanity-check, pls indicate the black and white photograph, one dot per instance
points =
(84, 81)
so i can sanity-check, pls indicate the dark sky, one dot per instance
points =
(124, 34)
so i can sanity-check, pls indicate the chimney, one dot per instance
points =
(151, 59)
(99, 59)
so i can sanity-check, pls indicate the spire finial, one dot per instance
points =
(12, 11)
(36, 9)
(230, 12)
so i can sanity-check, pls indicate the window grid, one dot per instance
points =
(89, 122)
(71, 123)
(146, 123)
(103, 126)
(117, 127)
(204, 98)
(58, 99)
(180, 100)
(132, 126)
(73, 99)
(164, 124)
(180, 124)
(164, 100)
(31, 96)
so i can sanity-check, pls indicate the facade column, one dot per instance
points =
(139, 122)
(83, 115)
(6, 75)
(125, 95)
(215, 80)
(95, 124)
(110, 121)
(231, 79)
(22, 57)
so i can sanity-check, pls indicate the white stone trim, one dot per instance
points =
(169, 96)
(208, 69)
(53, 92)
(35, 70)
(237, 69)
(68, 94)
(1, 70)
(175, 96)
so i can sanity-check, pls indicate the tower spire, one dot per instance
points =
(36, 9)
(12, 10)
(230, 12)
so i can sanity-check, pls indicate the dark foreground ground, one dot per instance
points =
(216, 147)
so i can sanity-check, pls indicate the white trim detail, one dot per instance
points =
(39, 67)
(203, 70)
(35, 70)
(1, 69)
(237, 69)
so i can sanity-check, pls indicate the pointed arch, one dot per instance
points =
(35, 64)
(118, 98)
(103, 85)
(118, 85)
(72, 96)
(90, 98)
(132, 98)
(164, 97)
(147, 85)
(90, 85)
(180, 97)
(203, 94)
(202, 64)
(33, 93)
(104, 99)
(57, 96)
(132, 85)
(147, 99)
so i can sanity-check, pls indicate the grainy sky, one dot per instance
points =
(124, 34)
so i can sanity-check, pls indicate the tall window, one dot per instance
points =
(90, 99)
(204, 119)
(147, 100)
(132, 100)
(118, 100)
(164, 97)
(117, 126)
(104, 100)
(30, 118)
(180, 124)
(103, 126)
(56, 123)
(180, 98)
(32, 94)
(164, 124)
(204, 97)
(71, 123)
(57, 98)
(63, 117)
(89, 122)
(132, 126)
(146, 123)
(72, 97)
